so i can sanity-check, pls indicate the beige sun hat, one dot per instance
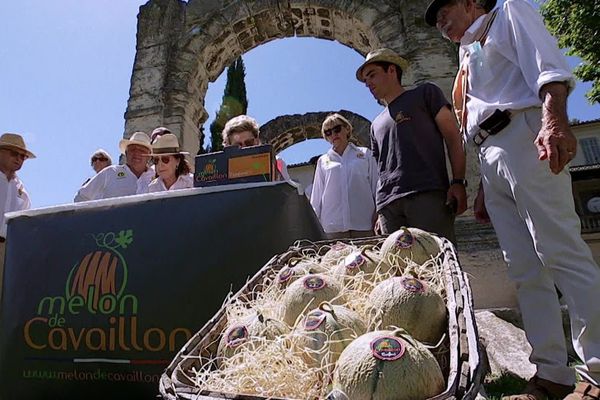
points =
(382, 55)
(139, 138)
(167, 145)
(14, 141)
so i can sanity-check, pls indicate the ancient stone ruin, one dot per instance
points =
(182, 46)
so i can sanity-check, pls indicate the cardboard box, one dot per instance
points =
(235, 165)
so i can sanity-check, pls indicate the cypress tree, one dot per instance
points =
(234, 102)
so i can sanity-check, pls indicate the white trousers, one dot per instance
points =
(533, 213)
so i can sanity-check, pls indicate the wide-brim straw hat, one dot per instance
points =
(435, 5)
(139, 138)
(167, 145)
(14, 141)
(382, 55)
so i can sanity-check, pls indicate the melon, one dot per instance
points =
(365, 260)
(410, 243)
(238, 334)
(336, 254)
(326, 331)
(296, 269)
(310, 291)
(409, 303)
(387, 365)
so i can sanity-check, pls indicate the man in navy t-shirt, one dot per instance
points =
(407, 140)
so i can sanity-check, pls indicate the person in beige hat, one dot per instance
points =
(13, 196)
(170, 165)
(407, 140)
(122, 180)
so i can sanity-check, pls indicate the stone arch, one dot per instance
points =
(182, 46)
(287, 130)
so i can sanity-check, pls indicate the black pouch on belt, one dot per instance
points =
(496, 122)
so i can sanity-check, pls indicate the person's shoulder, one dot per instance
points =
(428, 86)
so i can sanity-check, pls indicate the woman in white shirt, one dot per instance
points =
(345, 182)
(172, 169)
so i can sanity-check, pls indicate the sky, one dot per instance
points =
(65, 70)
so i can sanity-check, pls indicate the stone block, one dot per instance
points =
(506, 346)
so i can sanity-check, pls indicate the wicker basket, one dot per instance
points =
(465, 369)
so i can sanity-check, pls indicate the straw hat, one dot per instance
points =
(435, 5)
(382, 55)
(14, 141)
(139, 138)
(167, 145)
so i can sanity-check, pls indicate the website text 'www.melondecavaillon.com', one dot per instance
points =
(89, 376)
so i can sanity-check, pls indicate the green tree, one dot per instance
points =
(576, 25)
(234, 102)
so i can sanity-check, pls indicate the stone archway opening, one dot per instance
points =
(181, 47)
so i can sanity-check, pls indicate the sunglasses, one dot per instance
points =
(94, 159)
(335, 129)
(163, 159)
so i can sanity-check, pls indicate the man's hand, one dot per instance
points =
(479, 209)
(457, 194)
(377, 225)
(555, 141)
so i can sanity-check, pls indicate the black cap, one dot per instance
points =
(435, 5)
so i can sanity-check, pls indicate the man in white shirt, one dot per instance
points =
(122, 180)
(510, 98)
(13, 196)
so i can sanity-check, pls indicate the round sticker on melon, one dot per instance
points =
(387, 348)
(314, 283)
(412, 284)
(236, 336)
(405, 240)
(285, 274)
(314, 319)
(354, 261)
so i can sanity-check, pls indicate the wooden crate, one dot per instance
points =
(464, 372)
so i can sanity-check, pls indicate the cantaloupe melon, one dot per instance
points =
(253, 326)
(387, 365)
(336, 254)
(410, 243)
(296, 269)
(326, 331)
(310, 290)
(411, 304)
(365, 260)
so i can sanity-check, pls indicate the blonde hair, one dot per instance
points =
(241, 123)
(334, 119)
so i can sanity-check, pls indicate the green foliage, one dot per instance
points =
(576, 25)
(234, 102)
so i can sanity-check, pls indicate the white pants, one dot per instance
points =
(534, 217)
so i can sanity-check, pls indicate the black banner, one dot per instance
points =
(98, 299)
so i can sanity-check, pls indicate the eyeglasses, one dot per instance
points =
(94, 159)
(335, 129)
(163, 159)
(245, 143)
(17, 154)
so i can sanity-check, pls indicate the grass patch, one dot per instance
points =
(503, 385)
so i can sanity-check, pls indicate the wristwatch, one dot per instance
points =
(456, 181)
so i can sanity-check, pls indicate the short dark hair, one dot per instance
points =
(386, 66)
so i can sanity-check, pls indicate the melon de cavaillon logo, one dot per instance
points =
(96, 286)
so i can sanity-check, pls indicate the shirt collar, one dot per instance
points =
(14, 178)
(469, 35)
